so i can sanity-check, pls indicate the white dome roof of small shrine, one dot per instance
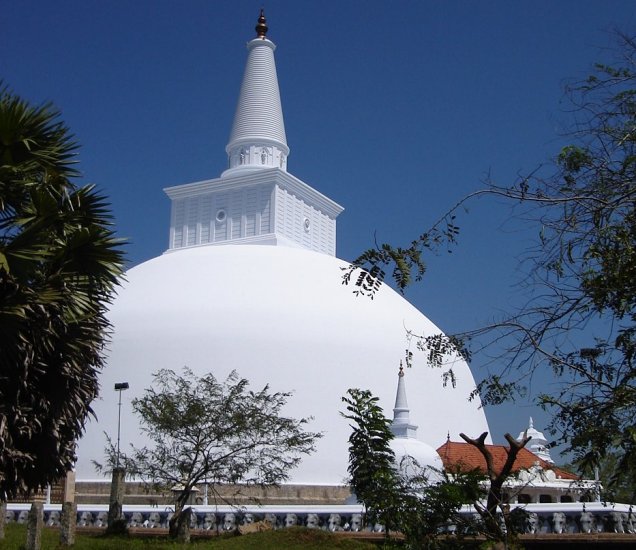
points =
(413, 456)
(538, 444)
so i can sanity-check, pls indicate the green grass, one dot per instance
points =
(292, 539)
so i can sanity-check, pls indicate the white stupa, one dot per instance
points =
(411, 455)
(250, 282)
(538, 444)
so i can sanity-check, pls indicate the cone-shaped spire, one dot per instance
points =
(258, 137)
(401, 425)
(413, 457)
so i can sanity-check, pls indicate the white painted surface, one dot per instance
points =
(281, 316)
(267, 207)
(408, 449)
(257, 139)
(538, 444)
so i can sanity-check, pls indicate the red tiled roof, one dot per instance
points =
(456, 454)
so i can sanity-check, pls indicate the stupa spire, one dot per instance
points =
(401, 425)
(255, 201)
(258, 139)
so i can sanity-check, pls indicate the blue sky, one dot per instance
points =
(393, 109)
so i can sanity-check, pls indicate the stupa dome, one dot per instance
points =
(414, 456)
(279, 316)
(251, 283)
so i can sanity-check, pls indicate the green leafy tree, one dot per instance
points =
(203, 430)
(623, 490)
(372, 470)
(580, 320)
(586, 266)
(427, 509)
(59, 265)
(404, 499)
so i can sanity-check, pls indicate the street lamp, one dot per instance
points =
(120, 387)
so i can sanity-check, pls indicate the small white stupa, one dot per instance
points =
(411, 454)
(538, 444)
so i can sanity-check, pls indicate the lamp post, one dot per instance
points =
(120, 387)
(117, 486)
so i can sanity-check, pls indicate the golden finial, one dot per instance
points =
(401, 373)
(261, 26)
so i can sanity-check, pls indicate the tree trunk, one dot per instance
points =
(3, 518)
(179, 525)
(35, 523)
(116, 502)
(494, 501)
(68, 524)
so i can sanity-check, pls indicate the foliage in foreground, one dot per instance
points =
(59, 265)
(403, 497)
(580, 318)
(291, 539)
(372, 473)
(203, 430)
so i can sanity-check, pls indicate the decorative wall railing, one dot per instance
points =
(555, 518)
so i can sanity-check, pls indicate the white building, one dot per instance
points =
(250, 282)
(535, 479)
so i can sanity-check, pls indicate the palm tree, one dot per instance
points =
(59, 265)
